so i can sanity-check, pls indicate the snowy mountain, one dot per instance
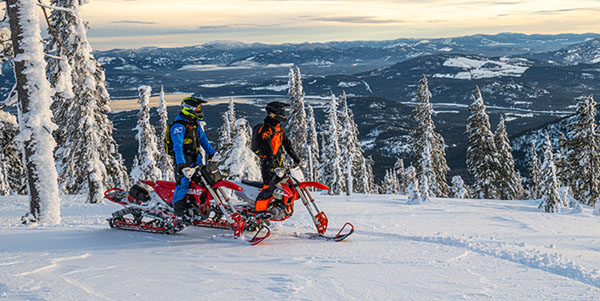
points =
(587, 52)
(446, 249)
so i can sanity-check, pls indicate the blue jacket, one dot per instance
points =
(177, 134)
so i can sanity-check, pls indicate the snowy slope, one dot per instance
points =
(448, 249)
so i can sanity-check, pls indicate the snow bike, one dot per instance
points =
(148, 206)
(281, 205)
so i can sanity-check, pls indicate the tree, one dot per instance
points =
(353, 157)
(459, 189)
(549, 190)
(312, 144)
(330, 170)
(240, 162)
(35, 117)
(583, 153)
(87, 156)
(509, 181)
(414, 193)
(388, 182)
(297, 126)
(535, 175)
(165, 162)
(426, 174)
(482, 162)
(11, 168)
(423, 136)
(401, 175)
(145, 163)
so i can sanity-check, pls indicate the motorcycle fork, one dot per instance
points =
(235, 218)
(319, 219)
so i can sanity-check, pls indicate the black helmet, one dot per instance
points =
(192, 107)
(276, 110)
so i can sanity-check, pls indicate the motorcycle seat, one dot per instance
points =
(253, 183)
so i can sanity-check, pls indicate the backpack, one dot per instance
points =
(168, 140)
(255, 141)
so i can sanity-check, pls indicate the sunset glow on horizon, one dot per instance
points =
(138, 23)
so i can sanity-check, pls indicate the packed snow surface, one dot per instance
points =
(446, 249)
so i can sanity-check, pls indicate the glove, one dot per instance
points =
(216, 157)
(302, 164)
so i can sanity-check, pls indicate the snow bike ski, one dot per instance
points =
(281, 205)
(148, 206)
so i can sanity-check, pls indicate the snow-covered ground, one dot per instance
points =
(447, 249)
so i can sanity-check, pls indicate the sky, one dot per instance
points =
(138, 23)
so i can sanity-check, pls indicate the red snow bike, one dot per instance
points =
(290, 188)
(148, 206)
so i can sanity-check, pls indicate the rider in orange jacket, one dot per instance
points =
(272, 141)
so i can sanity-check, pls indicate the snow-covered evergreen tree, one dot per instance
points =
(482, 162)
(330, 170)
(426, 174)
(240, 162)
(165, 163)
(583, 153)
(388, 182)
(549, 190)
(145, 165)
(312, 145)
(459, 189)
(87, 156)
(401, 175)
(11, 168)
(34, 114)
(297, 126)
(369, 176)
(353, 154)
(562, 167)
(414, 193)
(509, 180)
(424, 136)
(535, 175)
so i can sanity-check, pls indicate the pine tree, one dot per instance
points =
(424, 136)
(354, 155)
(11, 168)
(297, 126)
(509, 181)
(482, 162)
(227, 134)
(368, 176)
(535, 175)
(388, 182)
(165, 163)
(330, 170)
(414, 193)
(550, 198)
(401, 175)
(562, 167)
(87, 156)
(459, 189)
(583, 153)
(145, 165)
(34, 97)
(240, 162)
(426, 174)
(312, 145)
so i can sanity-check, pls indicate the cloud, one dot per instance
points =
(352, 19)
(133, 22)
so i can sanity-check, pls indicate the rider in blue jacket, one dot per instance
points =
(187, 137)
